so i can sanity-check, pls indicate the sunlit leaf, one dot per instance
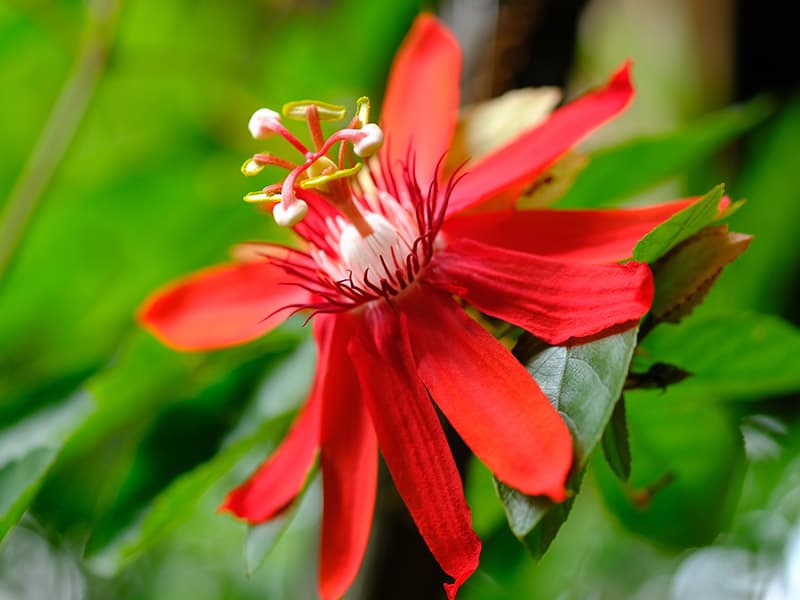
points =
(679, 227)
(488, 125)
(554, 182)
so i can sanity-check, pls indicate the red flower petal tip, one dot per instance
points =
(621, 78)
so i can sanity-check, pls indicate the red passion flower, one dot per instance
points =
(391, 251)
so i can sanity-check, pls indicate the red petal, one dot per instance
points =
(555, 300)
(275, 483)
(584, 235)
(519, 162)
(413, 444)
(349, 471)
(220, 306)
(489, 397)
(421, 104)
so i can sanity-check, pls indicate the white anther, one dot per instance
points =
(371, 142)
(262, 123)
(291, 215)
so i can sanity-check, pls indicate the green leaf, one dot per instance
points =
(730, 354)
(645, 162)
(687, 468)
(679, 226)
(261, 539)
(765, 277)
(179, 498)
(28, 450)
(539, 539)
(260, 427)
(583, 382)
(616, 446)
(523, 512)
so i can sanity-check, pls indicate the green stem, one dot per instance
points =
(59, 130)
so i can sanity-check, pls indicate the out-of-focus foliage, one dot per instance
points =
(653, 159)
(120, 450)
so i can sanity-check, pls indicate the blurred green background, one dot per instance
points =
(123, 129)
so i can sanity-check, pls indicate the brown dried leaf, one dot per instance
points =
(687, 272)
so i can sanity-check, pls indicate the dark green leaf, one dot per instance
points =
(523, 512)
(28, 450)
(678, 227)
(583, 382)
(616, 446)
(645, 162)
(539, 539)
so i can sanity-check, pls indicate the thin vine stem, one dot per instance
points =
(59, 129)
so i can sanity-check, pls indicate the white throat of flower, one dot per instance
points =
(360, 254)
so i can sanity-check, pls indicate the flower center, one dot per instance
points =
(373, 253)
(369, 227)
